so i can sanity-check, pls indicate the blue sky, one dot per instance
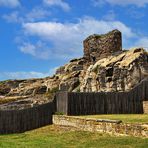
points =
(37, 36)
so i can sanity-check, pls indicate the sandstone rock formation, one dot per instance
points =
(119, 72)
(104, 67)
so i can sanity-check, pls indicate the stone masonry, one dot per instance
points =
(96, 125)
(100, 46)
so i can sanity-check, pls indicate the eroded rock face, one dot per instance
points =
(117, 72)
(70, 77)
(24, 102)
(104, 67)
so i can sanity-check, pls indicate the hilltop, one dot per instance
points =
(105, 66)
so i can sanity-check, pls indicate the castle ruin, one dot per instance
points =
(100, 46)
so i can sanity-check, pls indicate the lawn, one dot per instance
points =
(126, 118)
(63, 137)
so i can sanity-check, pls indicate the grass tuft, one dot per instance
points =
(64, 137)
(126, 118)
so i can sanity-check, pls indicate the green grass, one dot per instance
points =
(59, 137)
(126, 118)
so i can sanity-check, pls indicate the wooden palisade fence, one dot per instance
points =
(17, 121)
(71, 103)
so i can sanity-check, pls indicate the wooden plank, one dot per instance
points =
(16, 121)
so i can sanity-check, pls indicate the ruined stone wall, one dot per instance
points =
(99, 46)
(94, 125)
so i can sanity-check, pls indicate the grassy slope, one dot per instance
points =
(55, 137)
(132, 118)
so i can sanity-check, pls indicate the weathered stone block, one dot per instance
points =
(145, 107)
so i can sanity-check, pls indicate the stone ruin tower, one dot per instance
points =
(100, 46)
(104, 66)
(108, 67)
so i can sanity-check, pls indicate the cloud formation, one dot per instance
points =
(10, 3)
(142, 42)
(21, 75)
(36, 14)
(138, 3)
(67, 38)
(60, 3)
(38, 50)
(26, 75)
(13, 17)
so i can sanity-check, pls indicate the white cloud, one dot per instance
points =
(98, 3)
(110, 16)
(13, 17)
(26, 75)
(60, 3)
(28, 48)
(21, 75)
(38, 50)
(68, 31)
(35, 14)
(142, 42)
(67, 37)
(10, 3)
(138, 3)
(135, 13)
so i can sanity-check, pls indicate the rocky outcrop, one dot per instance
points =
(117, 72)
(24, 93)
(104, 67)
(69, 79)
(22, 102)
